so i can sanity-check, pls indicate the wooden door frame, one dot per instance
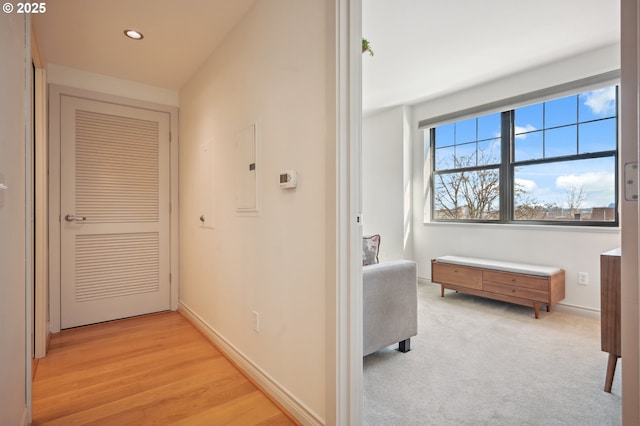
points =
(56, 92)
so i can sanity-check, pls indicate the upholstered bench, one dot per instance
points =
(520, 283)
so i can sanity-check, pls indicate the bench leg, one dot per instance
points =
(405, 345)
(536, 309)
(441, 290)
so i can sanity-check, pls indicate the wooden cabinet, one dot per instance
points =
(610, 311)
(520, 288)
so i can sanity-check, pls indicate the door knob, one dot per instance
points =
(72, 217)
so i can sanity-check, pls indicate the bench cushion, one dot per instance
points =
(518, 268)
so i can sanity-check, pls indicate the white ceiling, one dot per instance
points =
(423, 48)
(178, 36)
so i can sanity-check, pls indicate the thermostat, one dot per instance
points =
(288, 179)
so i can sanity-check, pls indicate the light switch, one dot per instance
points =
(288, 179)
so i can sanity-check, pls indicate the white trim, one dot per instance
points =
(268, 384)
(26, 418)
(354, 223)
(174, 217)
(344, 343)
(29, 219)
(55, 94)
(253, 211)
(577, 310)
(528, 227)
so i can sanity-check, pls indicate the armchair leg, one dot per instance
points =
(404, 346)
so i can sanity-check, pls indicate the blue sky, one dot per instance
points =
(569, 131)
(577, 124)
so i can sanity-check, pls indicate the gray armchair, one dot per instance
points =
(390, 305)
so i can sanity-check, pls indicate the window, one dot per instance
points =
(549, 162)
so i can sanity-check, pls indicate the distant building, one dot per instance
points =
(603, 214)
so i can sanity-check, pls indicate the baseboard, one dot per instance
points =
(566, 308)
(34, 368)
(260, 378)
(26, 417)
(580, 311)
(423, 281)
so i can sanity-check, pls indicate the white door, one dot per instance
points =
(114, 211)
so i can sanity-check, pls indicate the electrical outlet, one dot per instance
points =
(256, 322)
(583, 278)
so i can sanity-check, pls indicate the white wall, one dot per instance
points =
(584, 65)
(13, 280)
(382, 180)
(270, 71)
(387, 180)
(574, 249)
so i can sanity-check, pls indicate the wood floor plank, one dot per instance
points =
(182, 392)
(86, 375)
(117, 388)
(123, 344)
(155, 369)
(247, 409)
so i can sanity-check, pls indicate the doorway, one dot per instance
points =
(113, 247)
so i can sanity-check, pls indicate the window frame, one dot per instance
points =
(507, 166)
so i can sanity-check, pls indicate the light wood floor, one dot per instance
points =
(150, 370)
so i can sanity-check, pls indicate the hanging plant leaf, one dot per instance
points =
(366, 46)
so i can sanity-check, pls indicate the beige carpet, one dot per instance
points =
(481, 362)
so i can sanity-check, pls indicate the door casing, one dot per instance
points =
(141, 232)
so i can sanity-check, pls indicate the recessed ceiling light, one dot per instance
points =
(133, 34)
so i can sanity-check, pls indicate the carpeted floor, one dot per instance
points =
(481, 362)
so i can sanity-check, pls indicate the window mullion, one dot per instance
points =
(432, 181)
(506, 171)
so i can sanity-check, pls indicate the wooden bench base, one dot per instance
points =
(513, 286)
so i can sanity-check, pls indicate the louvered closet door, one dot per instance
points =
(114, 211)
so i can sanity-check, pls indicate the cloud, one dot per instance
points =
(602, 101)
(530, 192)
(590, 180)
(520, 129)
(598, 187)
(527, 185)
